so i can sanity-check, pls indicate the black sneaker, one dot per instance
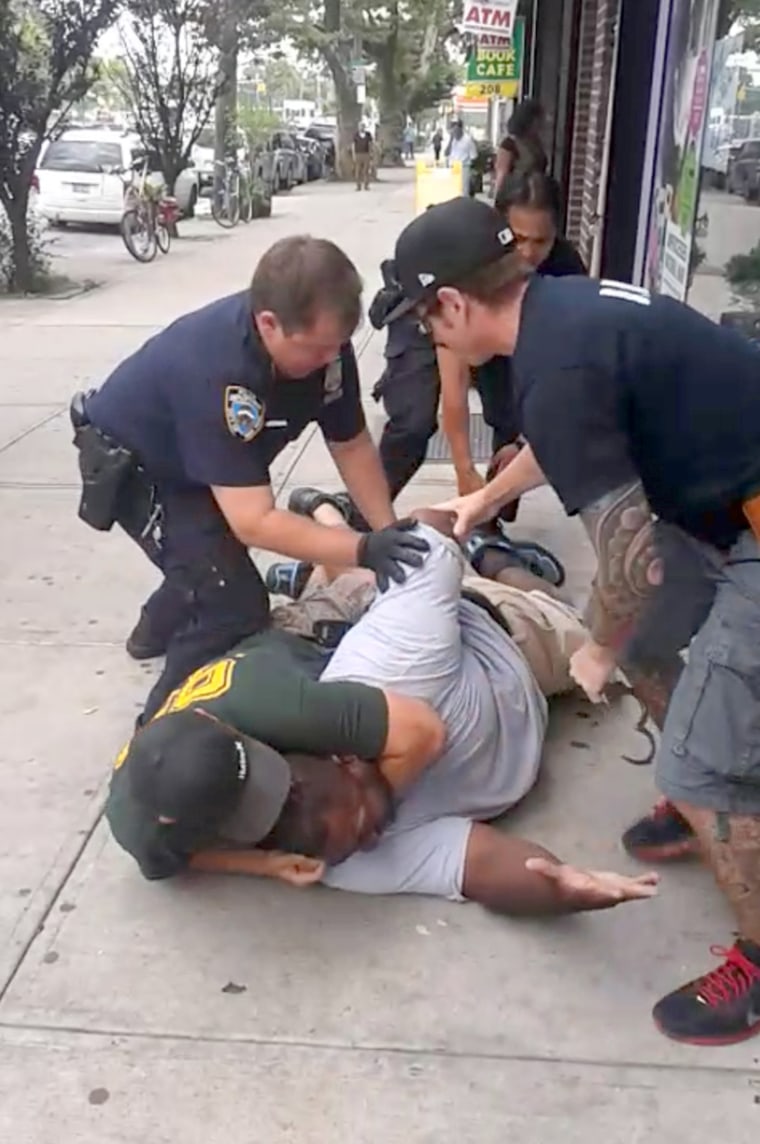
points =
(288, 578)
(663, 835)
(721, 1008)
(143, 642)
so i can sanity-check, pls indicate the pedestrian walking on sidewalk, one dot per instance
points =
(363, 145)
(622, 416)
(177, 444)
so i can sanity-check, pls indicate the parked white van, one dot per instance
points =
(75, 179)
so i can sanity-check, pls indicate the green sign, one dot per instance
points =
(500, 63)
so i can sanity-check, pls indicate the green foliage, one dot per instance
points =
(46, 66)
(257, 124)
(170, 77)
(744, 269)
(38, 256)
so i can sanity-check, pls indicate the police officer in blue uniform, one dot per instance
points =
(177, 444)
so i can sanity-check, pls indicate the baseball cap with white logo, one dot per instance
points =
(444, 246)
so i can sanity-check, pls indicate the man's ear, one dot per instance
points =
(295, 869)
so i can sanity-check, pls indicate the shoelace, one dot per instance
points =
(663, 808)
(731, 980)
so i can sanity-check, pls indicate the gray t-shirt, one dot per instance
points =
(421, 639)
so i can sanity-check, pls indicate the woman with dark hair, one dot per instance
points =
(521, 151)
(531, 206)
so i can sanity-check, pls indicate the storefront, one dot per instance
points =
(626, 83)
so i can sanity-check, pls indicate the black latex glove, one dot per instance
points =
(390, 551)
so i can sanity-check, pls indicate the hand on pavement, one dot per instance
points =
(593, 889)
(592, 667)
(470, 511)
(390, 551)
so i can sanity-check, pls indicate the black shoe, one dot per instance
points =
(143, 642)
(720, 1008)
(288, 578)
(663, 835)
(306, 501)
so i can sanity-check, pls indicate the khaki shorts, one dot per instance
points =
(345, 600)
(546, 631)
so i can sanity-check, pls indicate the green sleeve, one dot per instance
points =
(291, 712)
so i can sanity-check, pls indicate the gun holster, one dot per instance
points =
(104, 467)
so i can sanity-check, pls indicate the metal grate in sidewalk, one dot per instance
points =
(480, 443)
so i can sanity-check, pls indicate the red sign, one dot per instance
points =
(497, 17)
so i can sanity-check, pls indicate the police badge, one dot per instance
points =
(333, 383)
(243, 412)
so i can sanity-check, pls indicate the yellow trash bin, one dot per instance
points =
(437, 184)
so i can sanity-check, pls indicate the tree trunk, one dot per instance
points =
(348, 122)
(392, 115)
(338, 55)
(22, 279)
(225, 110)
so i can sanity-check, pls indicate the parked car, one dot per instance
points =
(77, 177)
(325, 134)
(287, 165)
(314, 157)
(743, 176)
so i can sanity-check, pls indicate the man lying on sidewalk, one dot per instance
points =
(405, 806)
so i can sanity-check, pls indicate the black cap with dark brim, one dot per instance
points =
(444, 246)
(191, 769)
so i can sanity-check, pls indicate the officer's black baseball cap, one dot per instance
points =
(444, 246)
(207, 778)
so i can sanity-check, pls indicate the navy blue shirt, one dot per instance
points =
(616, 385)
(201, 402)
(493, 379)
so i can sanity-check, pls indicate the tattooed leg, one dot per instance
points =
(730, 844)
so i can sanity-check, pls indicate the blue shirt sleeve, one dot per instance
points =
(342, 416)
(212, 454)
(574, 421)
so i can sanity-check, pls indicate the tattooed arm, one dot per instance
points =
(629, 571)
(621, 530)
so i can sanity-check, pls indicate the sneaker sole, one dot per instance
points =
(673, 852)
(709, 1042)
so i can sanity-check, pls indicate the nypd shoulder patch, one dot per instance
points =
(243, 412)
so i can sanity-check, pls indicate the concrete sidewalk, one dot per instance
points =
(351, 1020)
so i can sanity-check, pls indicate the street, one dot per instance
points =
(228, 1011)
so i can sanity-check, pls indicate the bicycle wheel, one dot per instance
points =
(225, 207)
(163, 237)
(139, 235)
(246, 206)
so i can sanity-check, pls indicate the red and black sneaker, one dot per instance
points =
(721, 1008)
(663, 835)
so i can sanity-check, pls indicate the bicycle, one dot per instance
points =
(226, 198)
(149, 216)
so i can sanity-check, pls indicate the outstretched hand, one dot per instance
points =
(593, 889)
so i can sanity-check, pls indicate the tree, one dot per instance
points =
(171, 77)
(405, 43)
(46, 66)
(413, 71)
